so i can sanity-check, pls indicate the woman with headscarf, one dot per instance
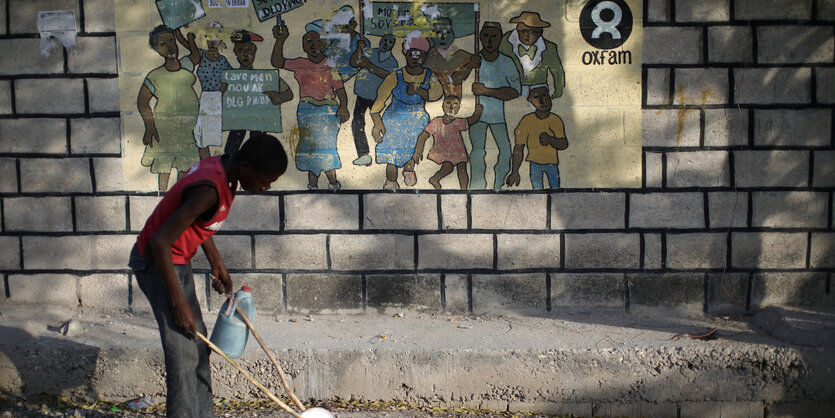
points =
(397, 129)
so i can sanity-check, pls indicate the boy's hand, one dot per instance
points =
(221, 282)
(184, 318)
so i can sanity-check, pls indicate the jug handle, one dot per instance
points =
(231, 304)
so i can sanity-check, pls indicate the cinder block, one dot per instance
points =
(806, 44)
(722, 409)
(236, 251)
(726, 293)
(768, 250)
(289, 251)
(788, 289)
(771, 168)
(253, 213)
(666, 210)
(658, 10)
(672, 45)
(696, 250)
(698, 169)
(3, 27)
(389, 294)
(511, 293)
(99, 16)
(49, 96)
(670, 128)
(400, 211)
(773, 85)
(602, 251)
(558, 409)
(790, 209)
(588, 210)
(674, 291)
(267, 292)
(141, 208)
(701, 86)
(139, 304)
(521, 251)
(84, 252)
(703, 11)
(321, 211)
(804, 409)
(825, 78)
(100, 213)
(587, 291)
(726, 127)
(41, 214)
(23, 14)
(658, 86)
(652, 252)
(455, 251)
(636, 409)
(320, 293)
(108, 172)
(826, 10)
(5, 97)
(730, 44)
(727, 209)
(62, 175)
(10, 256)
(653, 169)
(103, 94)
(103, 293)
(93, 55)
(823, 250)
(108, 252)
(372, 252)
(824, 169)
(773, 10)
(785, 127)
(509, 211)
(43, 135)
(28, 58)
(456, 294)
(44, 289)
(453, 211)
(95, 136)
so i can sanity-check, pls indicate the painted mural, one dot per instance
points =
(505, 95)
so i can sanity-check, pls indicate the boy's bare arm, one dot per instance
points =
(221, 281)
(199, 200)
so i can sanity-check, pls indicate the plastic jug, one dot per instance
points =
(230, 332)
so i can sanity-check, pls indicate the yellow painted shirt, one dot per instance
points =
(388, 84)
(527, 133)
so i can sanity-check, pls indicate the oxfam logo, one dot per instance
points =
(606, 24)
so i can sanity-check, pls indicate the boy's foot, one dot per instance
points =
(363, 160)
(409, 177)
(391, 185)
(334, 186)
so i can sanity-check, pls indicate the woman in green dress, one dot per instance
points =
(169, 138)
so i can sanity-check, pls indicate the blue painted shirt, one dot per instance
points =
(367, 83)
(499, 73)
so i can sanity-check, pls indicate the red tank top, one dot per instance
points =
(210, 172)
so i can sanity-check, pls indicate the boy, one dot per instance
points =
(544, 134)
(189, 214)
(448, 150)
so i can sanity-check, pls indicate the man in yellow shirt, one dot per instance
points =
(544, 134)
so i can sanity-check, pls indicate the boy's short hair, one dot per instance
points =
(264, 153)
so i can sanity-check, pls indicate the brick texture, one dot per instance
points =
(795, 44)
(773, 85)
(292, 252)
(701, 86)
(666, 210)
(49, 96)
(44, 136)
(519, 251)
(696, 251)
(586, 290)
(44, 289)
(703, 11)
(698, 169)
(401, 211)
(38, 214)
(792, 289)
(454, 211)
(506, 211)
(808, 127)
(730, 44)
(103, 292)
(455, 251)
(324, 293)
(587, 210)
(667, 45)
(768, 250)
(676, 291)
(372, 252)
(253, 213)
(602, 251)
(321, 211)
(514, 293)
(670, 128)
(391, 294)
(790, 209)
(771, 168)
(95, 136)
(62, 175)
(100, 213)
(94, 55)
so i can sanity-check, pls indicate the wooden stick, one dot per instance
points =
(272, 359)
(216, 349)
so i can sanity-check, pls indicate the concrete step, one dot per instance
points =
(583, 363)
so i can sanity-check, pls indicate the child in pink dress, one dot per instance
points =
(448, 148)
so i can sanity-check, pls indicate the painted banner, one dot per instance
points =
(400, 18)
(266, 9)
(245, 106)
(177, 13)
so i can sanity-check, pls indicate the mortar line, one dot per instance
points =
(416, 256)
(361, 210)
(641, 251)
(701, 128)
(705, 294)
(626, 296)
(284, 290)
(68, 133)
(732, 169)
(12, 98)
(19, 179)
(732, 14)
(81, 22)
(644, 76)
(562, 250)
(328, 250)
(8, 294)
(808, 250)
(813, 83)
(548, 292)
(663, 250)
(8, 17)
(627, 200)
(754, 43)
(664, 170)
(85, 90)
(814, 10)
(364, 293)
(731, 84)
(704, 51)
(644, 169)
(20, 251)
(495, 252)
(2, 216)
(811, 176)
(443, 291)
(469, 211)
(749, 290)
(73, 217)
(252, 251)
(282, 218)
(66, 61)
(548, 204)
(439, 212)
(706, 210)
(751, 129)
(829, 218)
(469, 293)
(671, 91)
(92, 177)
(127, 214)
(130, 290)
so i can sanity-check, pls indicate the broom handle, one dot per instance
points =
(216, 349)
(272, 359)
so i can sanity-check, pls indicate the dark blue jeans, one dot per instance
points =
(188, 378)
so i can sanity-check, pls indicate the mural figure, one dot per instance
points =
(396, 131)
(451, 65)
(448, 148)
(534, 55)
(373, 69)
(341, 32)
(544, 134)
(323, 106)
(498, 83)
(171, 122)
(245, 50)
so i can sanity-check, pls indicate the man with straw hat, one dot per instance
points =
(534, 55)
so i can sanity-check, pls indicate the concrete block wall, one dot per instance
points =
(735, 211)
